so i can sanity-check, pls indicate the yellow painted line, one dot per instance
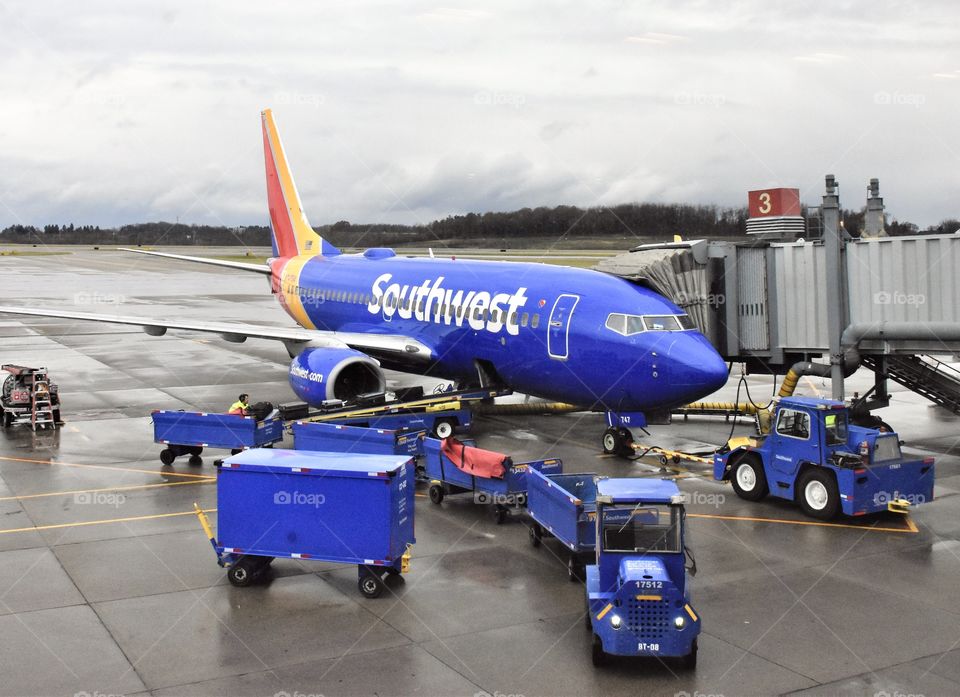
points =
(690, 612)
(604, 611)
(155, 516)
(911, 528)
(103, 467)
(106, 488)
(656, 598)
(910, 524)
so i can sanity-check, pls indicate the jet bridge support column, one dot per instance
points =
(836, 295)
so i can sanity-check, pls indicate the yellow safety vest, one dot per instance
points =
(238, 405)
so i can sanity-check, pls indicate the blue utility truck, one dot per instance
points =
(638, 602)
(815, 456)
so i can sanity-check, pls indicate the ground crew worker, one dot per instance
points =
(241, 406)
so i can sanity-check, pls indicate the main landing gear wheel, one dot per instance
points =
(436, 493)
(748, 479)
(818, 494)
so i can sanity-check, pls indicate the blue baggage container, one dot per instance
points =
(354, 509)
(316, 435)
(189, 432)
(506, 493)
(565, 506)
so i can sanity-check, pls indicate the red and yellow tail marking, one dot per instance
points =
(290, 226)
(289, 294)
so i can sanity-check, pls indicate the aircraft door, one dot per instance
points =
(558, 328)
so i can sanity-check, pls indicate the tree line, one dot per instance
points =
(657, 221)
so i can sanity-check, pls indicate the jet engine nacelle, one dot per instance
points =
(319, 374)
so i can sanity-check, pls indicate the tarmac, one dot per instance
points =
(108, 585)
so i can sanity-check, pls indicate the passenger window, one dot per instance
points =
(535, 320)
(513, 319)
(617, 322)
(793, 423)
(524, 318)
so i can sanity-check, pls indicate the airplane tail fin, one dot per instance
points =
(291, 231)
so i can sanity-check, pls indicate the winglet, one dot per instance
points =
(292, 234)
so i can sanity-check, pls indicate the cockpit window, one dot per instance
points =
(661, 323)
(617, 323)
(634, 325)
(628, 325)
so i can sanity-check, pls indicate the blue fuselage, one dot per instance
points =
(543, 329)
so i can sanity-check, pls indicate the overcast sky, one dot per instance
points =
(117, 112)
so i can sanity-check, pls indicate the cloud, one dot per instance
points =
(408, 112)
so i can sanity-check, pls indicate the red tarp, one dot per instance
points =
(475, 461)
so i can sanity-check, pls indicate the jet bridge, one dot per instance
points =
(776, 299)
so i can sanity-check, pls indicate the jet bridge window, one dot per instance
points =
(793, 423)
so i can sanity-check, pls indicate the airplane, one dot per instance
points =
(565, 334)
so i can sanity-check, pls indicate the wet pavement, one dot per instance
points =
(109, 586)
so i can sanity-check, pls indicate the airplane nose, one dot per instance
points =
(696, 369)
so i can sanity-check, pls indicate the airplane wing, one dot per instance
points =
(392, 349)
(243, 266)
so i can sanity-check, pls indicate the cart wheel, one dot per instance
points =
(195, 460)
(611, 441)
(436, 493)
(599, 655)
(676, 459)
(536, 534)
(241, 573)
(499, 514)
(370, 584)
(167, 456)
(443, 428)
(689, 662)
